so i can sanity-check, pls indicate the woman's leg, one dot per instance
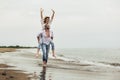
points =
(38, 50)
(53, 48)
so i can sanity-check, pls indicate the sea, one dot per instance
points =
(100, 57)
(69, 64)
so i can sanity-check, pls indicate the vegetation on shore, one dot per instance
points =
(17, 46)
(4, 49)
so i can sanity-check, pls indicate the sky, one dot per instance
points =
(77, 23)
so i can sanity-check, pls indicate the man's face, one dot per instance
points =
(47, 27)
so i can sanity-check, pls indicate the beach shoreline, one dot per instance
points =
(24, 62)
(11, 74)
(3, 50)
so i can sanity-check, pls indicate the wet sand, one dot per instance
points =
(9, 74)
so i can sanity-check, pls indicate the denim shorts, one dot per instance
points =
(39, 46)
(52, 45)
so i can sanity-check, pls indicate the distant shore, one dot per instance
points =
(4, 49)
(17, 46)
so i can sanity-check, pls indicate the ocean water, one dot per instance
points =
(94, 59)
(95, 55)
(70, 64)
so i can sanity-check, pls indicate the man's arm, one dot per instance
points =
(52, 35)
(38, 39)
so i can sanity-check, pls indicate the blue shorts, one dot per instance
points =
(39, 46)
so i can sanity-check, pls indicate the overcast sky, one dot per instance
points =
(77, 23)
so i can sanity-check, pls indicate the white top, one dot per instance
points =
(43, 37)
(43, 24)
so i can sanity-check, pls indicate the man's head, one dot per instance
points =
(47, 27)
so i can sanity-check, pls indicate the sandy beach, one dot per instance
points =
(11, 74)
(3, 50)
(23, 62)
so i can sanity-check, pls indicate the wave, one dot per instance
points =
(82, 65)
(112, 64)
(73, 62)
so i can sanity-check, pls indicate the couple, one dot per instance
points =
(45, 37)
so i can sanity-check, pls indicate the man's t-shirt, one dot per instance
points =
(43, 37)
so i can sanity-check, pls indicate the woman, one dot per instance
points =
(46, 20)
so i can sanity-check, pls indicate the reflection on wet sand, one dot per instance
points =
(35, 76)
(43, 74)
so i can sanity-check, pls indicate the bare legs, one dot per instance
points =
(38, 53)
(53, 49)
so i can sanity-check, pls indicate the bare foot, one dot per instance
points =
(54, 56)
(37, 55)
(44, 63)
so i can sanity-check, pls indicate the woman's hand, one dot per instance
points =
(41, 10)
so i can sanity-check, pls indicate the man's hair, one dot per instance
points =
(47, 26)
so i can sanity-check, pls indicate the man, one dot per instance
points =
(44, 38)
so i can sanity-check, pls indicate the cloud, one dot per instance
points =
(80, 23)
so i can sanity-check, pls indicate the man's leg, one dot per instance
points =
(43, 46)
(47, 51)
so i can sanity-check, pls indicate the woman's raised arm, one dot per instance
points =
(53, 13)
(41, 13)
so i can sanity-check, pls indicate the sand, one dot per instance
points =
(9, 74)
(3, 50)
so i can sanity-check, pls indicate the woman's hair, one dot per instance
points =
(46, 19)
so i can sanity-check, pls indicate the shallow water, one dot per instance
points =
(70, 64)
(98, 57)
